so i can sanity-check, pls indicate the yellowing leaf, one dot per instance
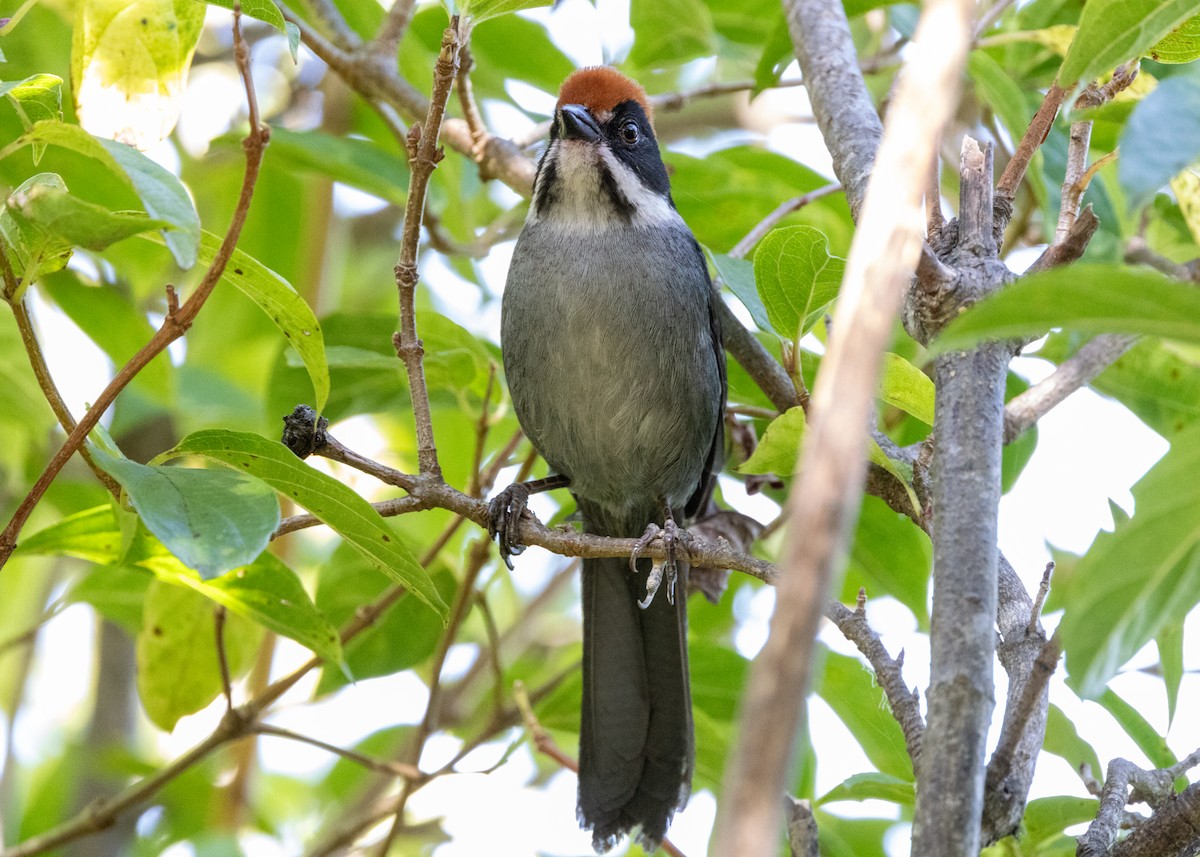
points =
(129, 64)
(1186, 186)
(1180, 45)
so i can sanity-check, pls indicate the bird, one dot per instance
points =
(613, 356)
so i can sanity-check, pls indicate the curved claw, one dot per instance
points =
(504, 520)
(648, 538)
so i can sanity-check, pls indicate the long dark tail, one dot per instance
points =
(635, 741)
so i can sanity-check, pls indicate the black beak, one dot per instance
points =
(576, 123)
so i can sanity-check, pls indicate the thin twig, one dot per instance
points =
(1072, 190)
(463, 599)
(886, 247)
(391, 31)
(1025, 409)
(1035, 613)
(1127, 783)
(175, 325)
(1031, 141)
(382, 766)
(41, 372)
(423, 156)
(760, 229)
(222, 659)
(889, 671)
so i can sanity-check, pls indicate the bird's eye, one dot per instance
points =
(629, 132)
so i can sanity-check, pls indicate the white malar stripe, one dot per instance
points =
(583, 206)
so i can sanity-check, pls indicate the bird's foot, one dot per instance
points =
(673, 537)
(504, 520)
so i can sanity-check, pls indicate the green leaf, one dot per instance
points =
(35, 98)
(178, 670)
(160, 192)
(796, 277)
(129, 65)
(268, 13)
(1161, 137)
(872, 786)
(1139, 729)
(348, 514)
(1063, 741)
(1141, 578)
(1113, 31)
(117, 592)
(45, 202)
(849, 688)
(1047, 817)
(738, 275)
(669, 32)
(36, 251)
(404, 637)
(779, 446)
(213, 520)
(90, 535)
(1170, 660)
(1151, 379)
(351, 160)
(1186, 187)
(1181, 45)
(276, 297)
(481, 10)
(906, 387)
(266, 592)
(1089, 298)
(889, 556)
(902, 472)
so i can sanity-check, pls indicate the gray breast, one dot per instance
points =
(610, 360)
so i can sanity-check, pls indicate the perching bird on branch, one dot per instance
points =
(613, 356)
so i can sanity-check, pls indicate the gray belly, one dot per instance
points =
(611, 364)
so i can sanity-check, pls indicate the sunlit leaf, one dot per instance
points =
(906, 387)
(796, 277)
(1186, 186)
(670, 31)
(1180, 45)
(1089, 298)
(178, 668)
(1063, 741)
(129, 66)
(35, 98)
(779, 446)
(1113, 31)
(1046, 817)
(266, 592)
(35, 250)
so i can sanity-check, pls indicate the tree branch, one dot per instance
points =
(968, 425)
(826, 492)
(1025, 409)
(840, 100)
(178, 320)
(1127, 783)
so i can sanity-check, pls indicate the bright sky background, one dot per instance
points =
(1090, 449)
